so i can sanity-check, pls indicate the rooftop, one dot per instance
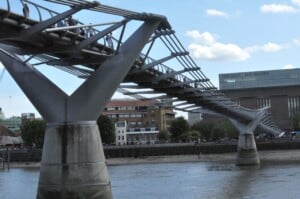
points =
(259, 79)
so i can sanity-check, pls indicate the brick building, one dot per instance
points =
(139, 120)
(278, 89)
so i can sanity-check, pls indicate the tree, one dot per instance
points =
(189, 136)
(195, 135)
(33, 132)
(107, 129)
(178, 127)
(215, 130)
(224, 129)
(205, 129)
(163, 136)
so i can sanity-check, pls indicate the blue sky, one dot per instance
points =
(222, 36)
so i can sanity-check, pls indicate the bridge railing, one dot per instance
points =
(192, 76)
(38, 13)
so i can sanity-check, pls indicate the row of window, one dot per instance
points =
(263, 102)
(126, 115)
(142, 129)
(293, 105)
(121, 138)
(259, 79)
(124, 108)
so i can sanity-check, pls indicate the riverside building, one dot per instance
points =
(139, 121)
(277, 89)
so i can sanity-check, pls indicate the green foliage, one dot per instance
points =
(205, 129)
(190, 136)
(107, 129)
(216, 130)
(178, 127)
(163, 136)
(185, 137)
(33, 133)
(195, 135)
(296, 121)
(224, 129)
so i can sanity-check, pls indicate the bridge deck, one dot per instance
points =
(56, 49)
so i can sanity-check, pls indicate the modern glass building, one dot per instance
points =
(259, 79)
(277, 89)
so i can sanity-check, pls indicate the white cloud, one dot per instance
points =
(1, 65)
(204, 38)
(288, 66)
(296, 42)
(296, 2)
(204, 46)
(217, 13)
(271, 47)
(277, 8)
(268, 47)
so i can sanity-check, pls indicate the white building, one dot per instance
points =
(120, 130)
(126, 135)
(7, 137)
(195, 117)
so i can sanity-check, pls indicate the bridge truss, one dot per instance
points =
(175, 75)
(73, 162)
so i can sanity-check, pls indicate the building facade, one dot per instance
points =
(139, 121)
(277, 89)
(194, 117)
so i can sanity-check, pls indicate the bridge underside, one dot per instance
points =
(73, 162)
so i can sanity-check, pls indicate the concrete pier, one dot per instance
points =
(247, 151)
(73, 163)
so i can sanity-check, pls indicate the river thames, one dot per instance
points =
(181, 180)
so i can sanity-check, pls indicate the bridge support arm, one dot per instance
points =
(48, 99)
(247, 152)
(97, 90)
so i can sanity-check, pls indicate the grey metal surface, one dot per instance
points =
(187, 83)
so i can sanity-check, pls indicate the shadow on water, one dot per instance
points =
(271, 179)
(238, 185)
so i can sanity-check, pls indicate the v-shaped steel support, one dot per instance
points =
(247, 151)
(90, 98)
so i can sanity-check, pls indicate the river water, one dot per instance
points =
(189, 180)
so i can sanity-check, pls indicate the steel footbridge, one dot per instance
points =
(113, 49)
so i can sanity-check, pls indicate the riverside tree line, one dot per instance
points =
(180, 131)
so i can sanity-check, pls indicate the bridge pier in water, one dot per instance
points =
(73, 162)
(247, 152)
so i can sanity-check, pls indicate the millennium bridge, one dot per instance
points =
(34, 36)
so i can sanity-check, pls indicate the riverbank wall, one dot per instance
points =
(135, 151)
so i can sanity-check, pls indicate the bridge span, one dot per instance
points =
(73, 163)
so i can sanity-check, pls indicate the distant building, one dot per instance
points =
(278, 89)
(195, 117)
(7, 137)
(2, 116)
(128, 136)
(120, 130)
(143, 119)
(27, 117)
(13, 123)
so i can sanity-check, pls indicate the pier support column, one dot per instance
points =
(73, 163)
(247, 152)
